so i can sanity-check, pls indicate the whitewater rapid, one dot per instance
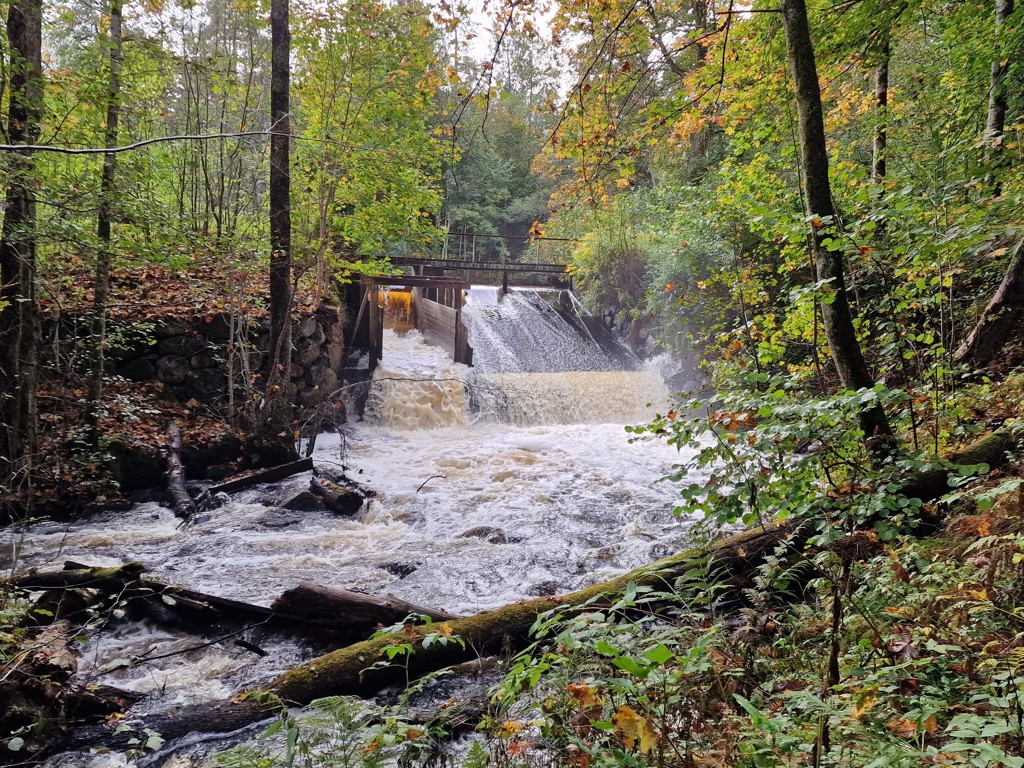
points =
(477, 506)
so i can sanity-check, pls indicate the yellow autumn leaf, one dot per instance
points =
(865, 701)
(634, 729)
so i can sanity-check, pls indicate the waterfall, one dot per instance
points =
(539, 331)
(539, 359)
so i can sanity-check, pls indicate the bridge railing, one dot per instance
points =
(476, 248)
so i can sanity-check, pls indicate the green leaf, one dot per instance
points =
(630, 665)
(659, 654)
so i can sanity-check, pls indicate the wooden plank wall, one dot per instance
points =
(443, 326)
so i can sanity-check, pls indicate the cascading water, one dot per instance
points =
(511, 479)
(539, 330)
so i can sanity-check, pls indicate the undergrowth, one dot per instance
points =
(925, 640)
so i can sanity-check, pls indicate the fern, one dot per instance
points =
(476, 757)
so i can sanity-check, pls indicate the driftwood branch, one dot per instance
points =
(270, 475)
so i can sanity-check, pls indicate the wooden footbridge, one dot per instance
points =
(436, 300)
(507, 256)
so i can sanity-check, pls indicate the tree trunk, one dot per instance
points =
(1001, 318)
(19, 314)
(881, 140)
(279, 361)
(101, 280)
(837, 317)
(996, 123)
(184, 506)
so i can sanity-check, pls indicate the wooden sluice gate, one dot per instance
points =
(432, 304)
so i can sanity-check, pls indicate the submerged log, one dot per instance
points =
(306, 608)
(270, 475)
(183, 505)
(76, 575)
(349, 609)
(337, 498)
(87, 703)
(339, 476)
(164, 603)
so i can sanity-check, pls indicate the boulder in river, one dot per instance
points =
(487, 533)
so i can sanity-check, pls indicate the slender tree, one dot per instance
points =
(19, 316)
(280, 219)
(837, 317)
(996, 123)
(104, 219)
(880, 144)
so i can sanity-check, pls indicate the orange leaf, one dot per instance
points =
(904, 729)
(510, 728)
(930, 724)
(583, 694)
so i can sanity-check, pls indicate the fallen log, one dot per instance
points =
(357, 670)
(352, 671)
(990, 449)
(182, 504)
(165, 603)
(307, 607)
(348, 608)
(1001, 318)
(348, 671)
(76, 575)
(270, 475)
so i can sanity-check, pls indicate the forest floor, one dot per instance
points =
(74, 477)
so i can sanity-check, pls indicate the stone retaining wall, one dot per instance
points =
(191, 355)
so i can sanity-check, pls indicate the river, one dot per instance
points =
(493, 484)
